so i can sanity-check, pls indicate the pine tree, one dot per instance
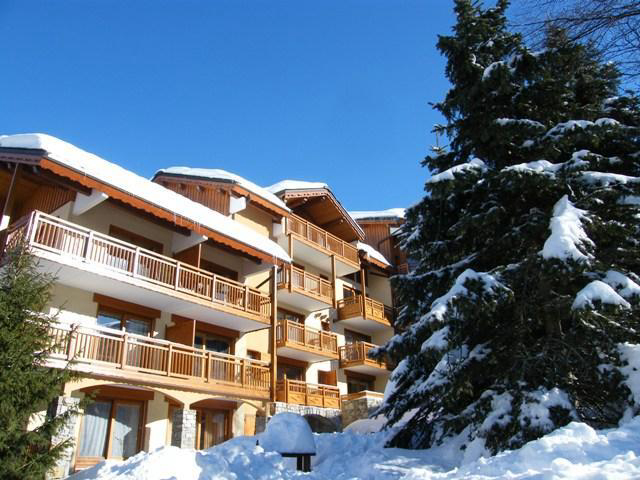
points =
(27, 386)
(526, 247)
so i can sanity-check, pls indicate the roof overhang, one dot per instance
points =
(329, 215)
(233, 186)
(40, 159)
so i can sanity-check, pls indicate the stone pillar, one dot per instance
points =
(183, 434)
(59, 406)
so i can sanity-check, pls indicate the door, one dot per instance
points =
(212, 427)
(110, 429)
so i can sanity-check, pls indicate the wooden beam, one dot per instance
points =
(10, 199)
(274, 322)
(364, 292)
(333, 280)
(333, 223)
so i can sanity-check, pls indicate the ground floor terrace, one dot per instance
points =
(122, 419)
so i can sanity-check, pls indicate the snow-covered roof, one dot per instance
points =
(283, 185)
(372, 252)
(93, 166)
(224, 176)
(389, 214)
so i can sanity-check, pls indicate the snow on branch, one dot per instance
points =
(474, 165)
(567, 233)
(630, 354)
(625, 287)
(598, 291)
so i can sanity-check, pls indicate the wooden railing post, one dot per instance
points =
(125, 348)
(246, 298)
(243, 371)
(169, 360)
(177, 279)
(87, 248)
(205, 363)
(136, 261)
(71, 347)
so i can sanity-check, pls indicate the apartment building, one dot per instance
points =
(196, 304)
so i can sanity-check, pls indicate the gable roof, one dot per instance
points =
(68, 160)
(292, 190)
(389, 215)
(219, 175)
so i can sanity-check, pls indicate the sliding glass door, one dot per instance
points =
(110, 429)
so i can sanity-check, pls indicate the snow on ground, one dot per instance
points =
(575, 452)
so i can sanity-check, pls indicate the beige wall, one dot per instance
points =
(256, 219)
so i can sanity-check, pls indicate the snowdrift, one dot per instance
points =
(576, 451)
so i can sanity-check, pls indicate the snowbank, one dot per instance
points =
(223, 175)
(124, 180)
(288, 433)
(574, 452)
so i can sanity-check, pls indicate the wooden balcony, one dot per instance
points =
(315, 246)
(355, 356)
(363, 394)
(114, 354)
(90, 260)
(302, 393)
(301, 289)
(368, 316)
(295, 340)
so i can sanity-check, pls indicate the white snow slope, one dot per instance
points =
(574, 452)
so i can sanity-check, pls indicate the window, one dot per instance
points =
(111, 429)
(353, 337)
(292, 372)
(358, 384)
(290, 316)
(254, 355)
(131, 323)
(139, 240)
(218, 269)
(211, 342)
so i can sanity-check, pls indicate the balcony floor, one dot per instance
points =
(365, 325)
(305, 354)
(308, 253)
(98, 279)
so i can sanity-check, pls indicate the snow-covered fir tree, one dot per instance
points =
(525, 297)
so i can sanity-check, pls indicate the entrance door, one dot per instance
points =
(212, 427)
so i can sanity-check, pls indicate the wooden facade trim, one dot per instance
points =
(155, 210)
(123, 306)
(271, 208)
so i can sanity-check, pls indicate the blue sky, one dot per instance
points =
(333, 91)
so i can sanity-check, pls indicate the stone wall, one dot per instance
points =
(358, 408)
(183, 434)
(68, 431)
(333, 414)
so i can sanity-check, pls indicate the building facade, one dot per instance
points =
(196, 304)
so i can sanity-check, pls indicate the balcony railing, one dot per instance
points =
(302, 393)
(297, 335)
(52, 234)
(357, 353)
(321, 238)
(304, 282)
(371, 309)
(105, 349)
